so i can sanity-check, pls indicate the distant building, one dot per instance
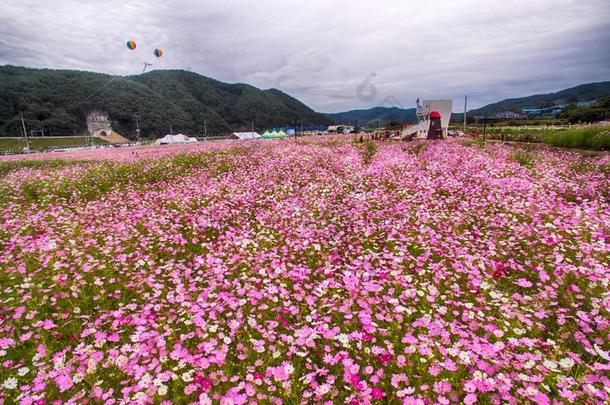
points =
(98, 124)
(546, 112)
(308, 128)
(341, 129)
(480, 119)
(511, 115)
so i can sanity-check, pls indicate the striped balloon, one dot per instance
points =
(158, 52)
(131, 44)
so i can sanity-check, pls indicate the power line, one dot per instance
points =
(100, 88)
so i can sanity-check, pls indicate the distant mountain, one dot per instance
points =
(370, 118)
(59, 100)
(584, 92)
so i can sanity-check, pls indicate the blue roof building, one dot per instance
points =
(548, 112)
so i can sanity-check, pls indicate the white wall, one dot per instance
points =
(444, 107)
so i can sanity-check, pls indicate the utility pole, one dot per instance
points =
(25, 133)
(205, 128)
(465, 103)
(252, 126)
(171, 130)
(485, 126)
(138, 130)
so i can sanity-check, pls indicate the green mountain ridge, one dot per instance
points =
(370, 118)
(59, 100)
(584, 92)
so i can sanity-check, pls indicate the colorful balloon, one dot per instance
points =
(131, 44)
(158, 52)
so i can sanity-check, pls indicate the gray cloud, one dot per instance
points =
(321, 51)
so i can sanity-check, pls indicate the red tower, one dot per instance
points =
(435, 131)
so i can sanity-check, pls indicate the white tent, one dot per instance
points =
(175, 139)
(245, 135)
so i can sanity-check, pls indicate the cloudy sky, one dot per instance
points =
(334, 55)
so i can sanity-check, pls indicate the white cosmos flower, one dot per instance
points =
(343, 338)
(465, 357)
(529, 364)
(604, 355)
(550, 364)
(519, 331)
(23, 371)
(566, 363)
(10, 383)
(187, 377)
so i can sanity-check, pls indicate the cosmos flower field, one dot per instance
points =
(318, 272)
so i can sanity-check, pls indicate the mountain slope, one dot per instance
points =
(370, 118)
(58, 101)
(584, 92)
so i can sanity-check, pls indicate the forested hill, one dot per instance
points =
(583, 92)
(58, 101)
(373, 117)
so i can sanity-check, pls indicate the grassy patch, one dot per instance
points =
(8, 166)
(370, 149)
(13, 144)
(106, 177)
(596, 138)
(524, 158)
(478, 142)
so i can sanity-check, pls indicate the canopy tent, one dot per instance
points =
(245, 135)
(274, 135)
(175, 139)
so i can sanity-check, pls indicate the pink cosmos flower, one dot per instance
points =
(355, 381)
(64, 382)
(377, 393)
(470, 399)
(48, 324)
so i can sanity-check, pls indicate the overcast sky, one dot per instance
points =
(332, 55)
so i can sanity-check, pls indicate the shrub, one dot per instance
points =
(524, 158)
(370, 149)
(596, 138)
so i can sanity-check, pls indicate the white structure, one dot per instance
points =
(98, 123)
(341, 129)
(245, 135)
(420, 130)
(175, 139)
